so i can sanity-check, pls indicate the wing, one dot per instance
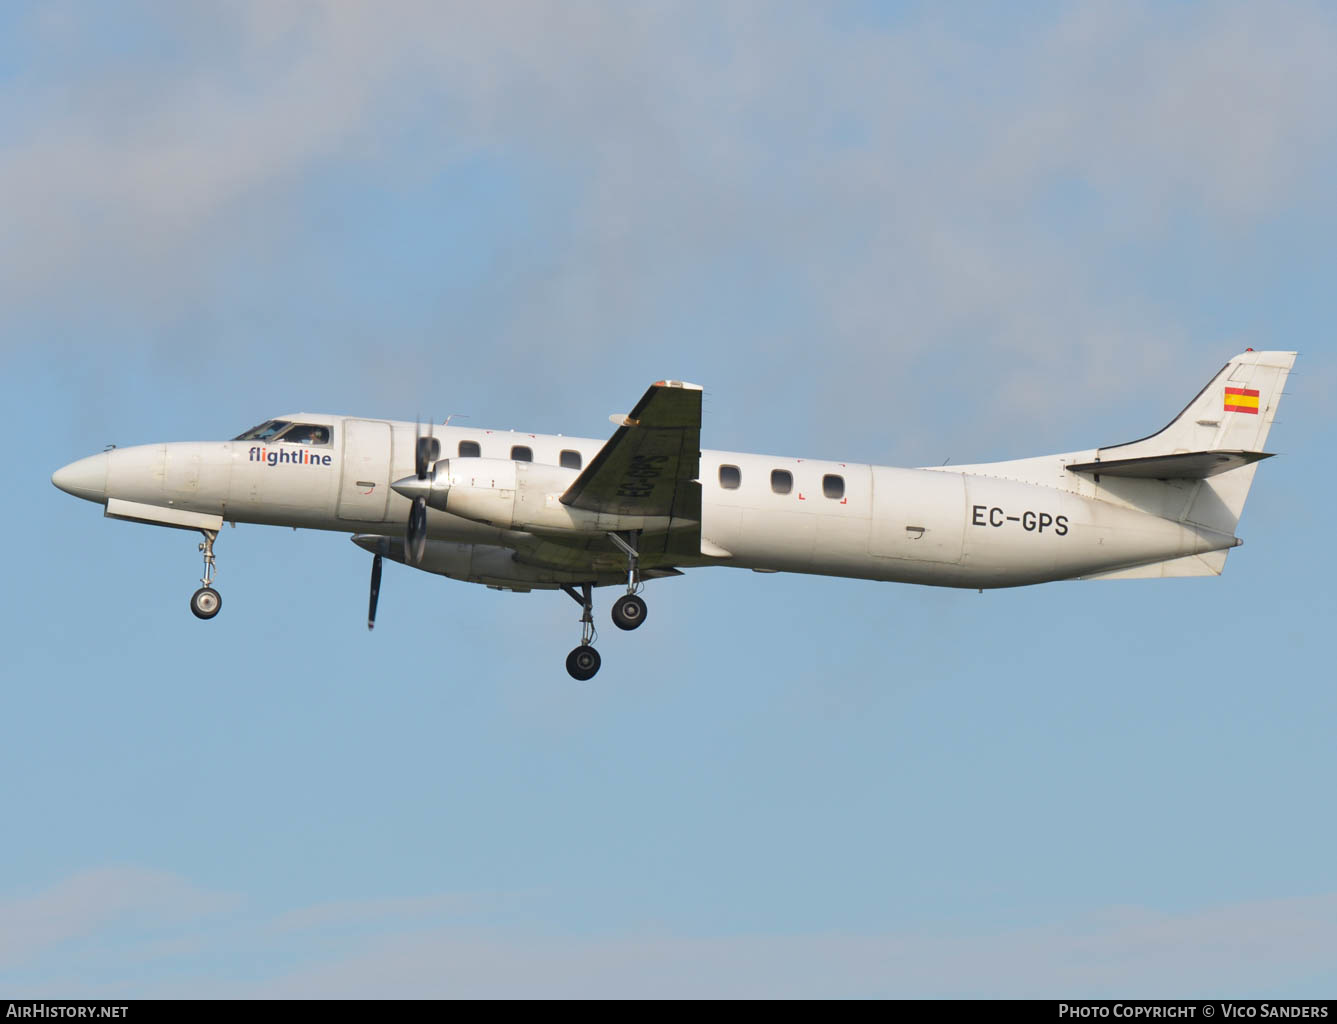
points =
(650, 465)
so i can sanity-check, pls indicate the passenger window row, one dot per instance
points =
(569, 458)
(782, 481)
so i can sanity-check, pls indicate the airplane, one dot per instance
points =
(518, 511)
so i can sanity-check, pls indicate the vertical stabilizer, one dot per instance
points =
(1234, 412)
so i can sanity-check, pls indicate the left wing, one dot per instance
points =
(649, 467)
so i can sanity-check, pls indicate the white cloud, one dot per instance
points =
(90, 902)
(864, 198)
(1245, 949)
(423, 947)
(360, 913)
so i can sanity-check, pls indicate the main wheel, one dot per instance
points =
(628, 612)
(205, 603)
(583, 662)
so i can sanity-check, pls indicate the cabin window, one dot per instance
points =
(522, 453)
(730, 477)
(470, 450)
(833, 486)
(569, 459)
(782, 481)
(307, 433)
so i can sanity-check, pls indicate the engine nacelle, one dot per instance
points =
(520, 496)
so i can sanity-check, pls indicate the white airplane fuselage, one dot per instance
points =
(956, 527)
(541, 511)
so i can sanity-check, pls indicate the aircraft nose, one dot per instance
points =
(86, 478)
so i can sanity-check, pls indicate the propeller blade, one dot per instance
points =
(375, 592)
(425, 451)
(415, 540)
(416, 488)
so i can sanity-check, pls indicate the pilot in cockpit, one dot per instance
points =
(307, 433)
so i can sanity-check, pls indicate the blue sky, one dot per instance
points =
(893, 234)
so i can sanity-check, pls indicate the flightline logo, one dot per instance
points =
(283, 456)
(1241, 400)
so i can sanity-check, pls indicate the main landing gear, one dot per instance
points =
(629, 610)
(206, 601)
(584, 661)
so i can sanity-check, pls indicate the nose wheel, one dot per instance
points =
(584, 661)
(206, 602)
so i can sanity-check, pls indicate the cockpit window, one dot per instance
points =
(264, 432)
(307, 433)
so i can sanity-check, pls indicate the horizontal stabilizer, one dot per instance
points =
(1209, 563)
(1181, 466)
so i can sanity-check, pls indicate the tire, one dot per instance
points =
(206, 603)
(628, 612)
(583, 662)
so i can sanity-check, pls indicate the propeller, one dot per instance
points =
(375, 591)
(426, 450)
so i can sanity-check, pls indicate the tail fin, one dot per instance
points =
(1229, 422)
(1233, 412)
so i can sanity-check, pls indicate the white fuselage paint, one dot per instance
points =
(928, 526)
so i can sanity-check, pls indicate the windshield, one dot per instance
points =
(264, 431)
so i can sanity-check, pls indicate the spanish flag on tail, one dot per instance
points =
(1241, 400)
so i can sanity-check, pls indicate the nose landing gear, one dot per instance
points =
(583, 662)
(206, 602)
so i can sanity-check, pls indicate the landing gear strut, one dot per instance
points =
(584, 661)
(206, 601)
(629, 610)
